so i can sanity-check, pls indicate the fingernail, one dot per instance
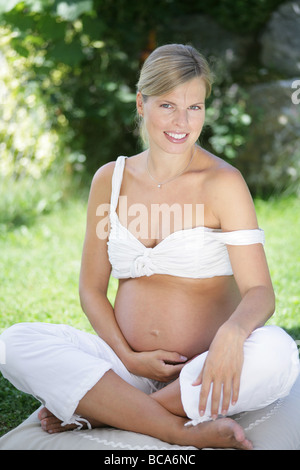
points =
(214, 417)
(224, 412)
(183, 358)
(201, 413)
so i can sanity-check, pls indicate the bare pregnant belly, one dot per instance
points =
(174, 314)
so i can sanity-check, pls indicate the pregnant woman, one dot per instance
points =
(185, 345)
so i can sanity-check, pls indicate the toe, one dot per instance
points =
(53, 425)
(234, 434)
(44, 413)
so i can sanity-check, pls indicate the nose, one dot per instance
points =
(180, 118)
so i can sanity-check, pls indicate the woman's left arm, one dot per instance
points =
(234, 208)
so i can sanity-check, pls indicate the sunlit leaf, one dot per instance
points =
(8, 5)
(71, 10)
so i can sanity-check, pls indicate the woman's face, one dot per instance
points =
(174, 121)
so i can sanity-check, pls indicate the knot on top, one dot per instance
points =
(143, 265)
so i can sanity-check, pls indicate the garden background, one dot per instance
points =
(68, 71)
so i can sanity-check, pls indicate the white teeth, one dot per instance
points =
(176, 136)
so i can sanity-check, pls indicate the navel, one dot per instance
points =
(154, 333)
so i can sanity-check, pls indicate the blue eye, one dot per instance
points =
(195, 108)
(166, 106)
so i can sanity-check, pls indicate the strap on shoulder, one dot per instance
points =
(117, 178)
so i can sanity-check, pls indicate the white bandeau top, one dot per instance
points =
(198, 252)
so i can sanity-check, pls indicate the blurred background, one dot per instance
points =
(68, 71)
(68, 74)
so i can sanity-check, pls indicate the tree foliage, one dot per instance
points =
(78, 61)
(78, 68)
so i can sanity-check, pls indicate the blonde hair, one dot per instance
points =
(169, 66)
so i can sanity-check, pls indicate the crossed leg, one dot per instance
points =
(113, 402)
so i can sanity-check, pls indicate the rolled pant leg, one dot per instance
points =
(44, 360)
(270, 368)
(59, 364)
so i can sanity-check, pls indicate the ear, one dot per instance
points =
(140, 104)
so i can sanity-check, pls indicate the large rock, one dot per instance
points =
(225, 50)
(270, 160)
(281, 40)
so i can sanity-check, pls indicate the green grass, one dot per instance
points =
(39, 270)
(281, 221)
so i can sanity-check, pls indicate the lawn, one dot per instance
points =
(39, 269)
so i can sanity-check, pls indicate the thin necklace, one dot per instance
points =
(159, 184)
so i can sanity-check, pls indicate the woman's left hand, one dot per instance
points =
(222, 370)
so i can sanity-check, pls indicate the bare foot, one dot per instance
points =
(222, 433)
(52, 424)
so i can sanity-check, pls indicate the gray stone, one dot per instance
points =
(280, 41)
(270, 160)
(225, 50)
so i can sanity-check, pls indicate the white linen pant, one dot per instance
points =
(59, 364)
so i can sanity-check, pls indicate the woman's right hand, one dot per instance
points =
(160, 365)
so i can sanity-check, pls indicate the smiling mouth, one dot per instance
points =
(176, 136)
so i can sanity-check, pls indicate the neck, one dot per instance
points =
(165, 165)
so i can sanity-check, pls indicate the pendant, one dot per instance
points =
(159, 185)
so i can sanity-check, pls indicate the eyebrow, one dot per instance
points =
(171, 102)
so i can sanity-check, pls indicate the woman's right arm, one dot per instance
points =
(95, 266)
(93, 283)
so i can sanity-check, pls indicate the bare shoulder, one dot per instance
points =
(226, 178)
(232, 202)
(101, 182)
(99, 198)
(101, 186)
(104, 173)
(221, 178)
